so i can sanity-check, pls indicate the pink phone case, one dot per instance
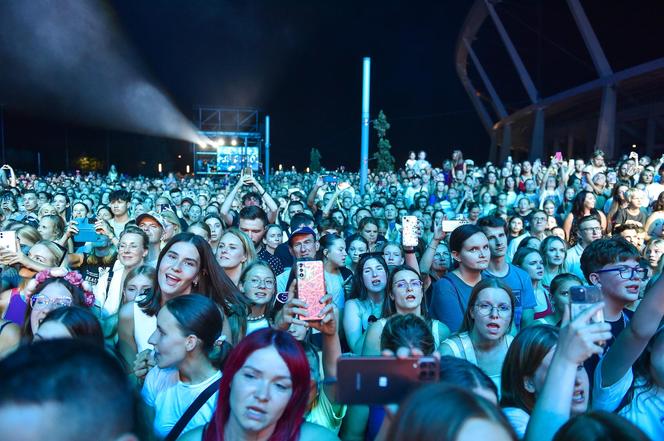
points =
(311, 287)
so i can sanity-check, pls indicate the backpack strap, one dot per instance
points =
(192, 410)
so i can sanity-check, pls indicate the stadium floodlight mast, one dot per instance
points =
(267, 149)
(364, 140)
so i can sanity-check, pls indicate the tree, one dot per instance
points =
(314, 160)
(384, 159)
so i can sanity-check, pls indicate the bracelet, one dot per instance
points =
(409, 251)
(433, 248)
(264, 191)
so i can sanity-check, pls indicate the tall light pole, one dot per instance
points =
(364, 148)
(267, 149)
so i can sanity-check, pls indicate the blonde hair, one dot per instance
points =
(247, 244)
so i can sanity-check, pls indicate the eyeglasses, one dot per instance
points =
(414, 284)
(41, 302)
(593, 229)
(486, 309)
(269, 283)
(627, 272)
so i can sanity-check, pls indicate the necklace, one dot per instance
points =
(255, 319)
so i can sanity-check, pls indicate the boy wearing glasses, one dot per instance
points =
(613, 265)
(589, 230)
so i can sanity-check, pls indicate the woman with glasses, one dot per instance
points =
(52, 289)
(483, 338)
(405, 295)
(257, 283)
(41, 256)
(235, 252)
(132, 250)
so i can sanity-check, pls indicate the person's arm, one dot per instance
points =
(371, 347)
(333, 200)
(8, 257)
(225, 210)
(567, 225)
(126, 342)
(577, 341)
(353, 327)
(311, 197)
(527, 317)
(272, 207)
(633, 340)
(355, 423)
(75, 260)
(427, 257)
(71, 231)
(328, 328)
(9, 339)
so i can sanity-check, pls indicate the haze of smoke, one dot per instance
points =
(68, 59)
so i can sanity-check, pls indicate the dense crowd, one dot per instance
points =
(158, 308)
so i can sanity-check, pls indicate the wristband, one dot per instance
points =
(409, 251)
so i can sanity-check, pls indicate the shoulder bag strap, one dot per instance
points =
(191, 411)
(468, 348)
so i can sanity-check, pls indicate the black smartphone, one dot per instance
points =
(383, 380)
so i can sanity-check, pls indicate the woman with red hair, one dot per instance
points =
(263, 393)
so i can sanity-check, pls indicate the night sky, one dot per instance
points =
(300, 62)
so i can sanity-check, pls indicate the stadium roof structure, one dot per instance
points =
(611, 109)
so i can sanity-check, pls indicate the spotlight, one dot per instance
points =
(188, 168)
(221, 142)
(234, 142)
(159, 167)
(633, 146)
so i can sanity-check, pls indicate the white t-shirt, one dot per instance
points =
(653, 190)
(171, 398)
(646, 410)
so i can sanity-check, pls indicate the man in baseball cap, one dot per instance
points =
(153, 224)
(302, 244)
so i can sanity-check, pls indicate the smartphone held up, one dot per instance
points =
(311, 287)
(383, 380)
